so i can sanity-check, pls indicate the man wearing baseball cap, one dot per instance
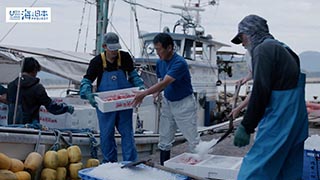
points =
(113, 69)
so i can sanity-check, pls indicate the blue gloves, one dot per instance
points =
(86, 92)
(241, 137)
(135, 79)
(70, 109)
(85, 88)
(91, 99)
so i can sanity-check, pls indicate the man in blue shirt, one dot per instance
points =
(179, 108)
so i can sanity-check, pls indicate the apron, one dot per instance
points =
(277, 153)
(122, 120)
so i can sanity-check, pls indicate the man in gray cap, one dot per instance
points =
(276, 107)
(113, 69)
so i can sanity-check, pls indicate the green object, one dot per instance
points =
(241, 137)
(70, 109)
(91, 99)
(135, 79)
(85, 88)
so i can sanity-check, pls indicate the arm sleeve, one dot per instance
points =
(178, 70)
(57, 108)
(262, 87)
(50, 105)
(94, 69)
(126, 61)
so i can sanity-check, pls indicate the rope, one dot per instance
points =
(56, 146)
(38, 141)
(13, 26)
(151, 8)
(93, 146)
(87, 30)
(81, 22)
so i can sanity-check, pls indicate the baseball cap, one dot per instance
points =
(250, 25)
(111, 40)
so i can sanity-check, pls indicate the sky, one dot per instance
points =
(294, 22)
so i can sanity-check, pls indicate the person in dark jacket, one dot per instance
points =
(276, 107)
(113, 69)
(32, 95)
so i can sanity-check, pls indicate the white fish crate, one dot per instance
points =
(117, 100)
(207, 166)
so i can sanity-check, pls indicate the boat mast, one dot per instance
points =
(102, 23)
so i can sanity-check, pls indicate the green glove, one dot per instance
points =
(91, 99)
(241, 137)
(142, 87)
(70, 109)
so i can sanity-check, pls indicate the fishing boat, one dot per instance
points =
(81, 128)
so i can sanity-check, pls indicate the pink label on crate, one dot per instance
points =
(118, 97)
(49, 120)
(124, 104)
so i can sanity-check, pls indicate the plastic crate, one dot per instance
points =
(116, 100)
(83, 174)
(311, 165)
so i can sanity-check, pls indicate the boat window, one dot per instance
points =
(187, 52)
(149, 49)
(199, 51)
(193, 50)
(177, 46)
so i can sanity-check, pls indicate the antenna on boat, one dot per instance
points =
(102, 23)
(188, 21)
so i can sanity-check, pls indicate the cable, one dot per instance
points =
(13, 26)
(81, 22)
(86, 39)
(151, 8)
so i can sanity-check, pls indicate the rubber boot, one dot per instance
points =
(164, 155)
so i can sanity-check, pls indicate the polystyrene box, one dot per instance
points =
(117, 100)
(82, 117)
(209, 166)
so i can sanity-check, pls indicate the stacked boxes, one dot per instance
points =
(84, 116)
